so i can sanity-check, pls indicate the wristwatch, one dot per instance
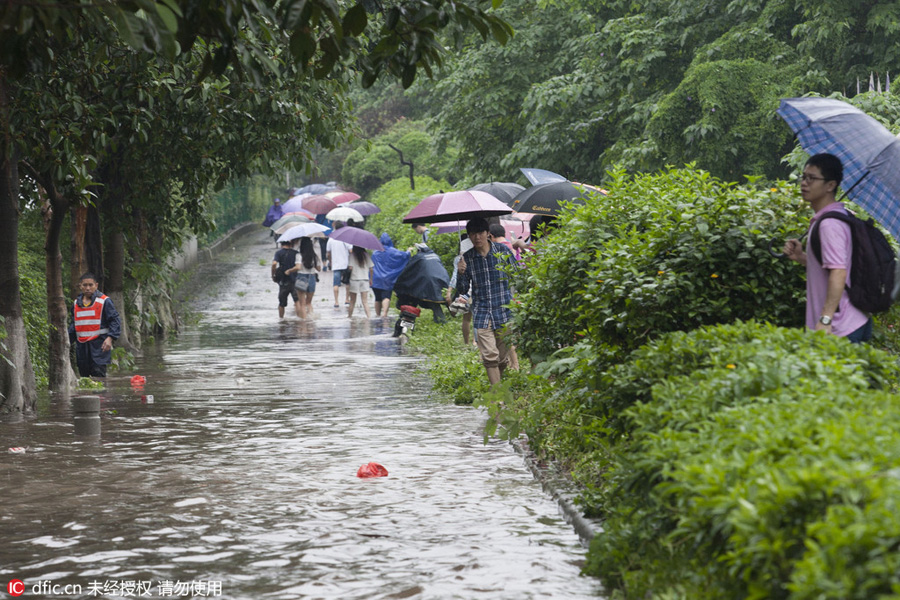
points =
(825, 320)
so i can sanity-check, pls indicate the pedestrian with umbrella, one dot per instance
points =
(869, 156)
(361, 269)
(828, 305)
(360, 264)
(481, 269)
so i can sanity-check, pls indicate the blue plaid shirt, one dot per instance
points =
(490, 288)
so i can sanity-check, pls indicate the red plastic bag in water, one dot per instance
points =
(372, 469)
(137, 382)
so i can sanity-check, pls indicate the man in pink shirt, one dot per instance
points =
(827, 304)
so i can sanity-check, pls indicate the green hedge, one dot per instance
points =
(662, 252)
(752, 459)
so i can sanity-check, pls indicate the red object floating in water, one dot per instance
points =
(372, 469)
(138, 381)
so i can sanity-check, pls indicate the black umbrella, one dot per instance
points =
(545, 198)
(503, 191)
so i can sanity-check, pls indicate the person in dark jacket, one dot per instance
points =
(422, 282)
(95, 326)
(285, 259)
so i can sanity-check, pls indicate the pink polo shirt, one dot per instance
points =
(837, 248)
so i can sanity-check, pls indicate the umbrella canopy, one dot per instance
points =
(501, 190)
(538, 176)
(294, 204)
(340, 196)
(315, 188)
(344, 213)
(319, 205)
(302, 230)
(287, 226)
(456, 206)
(356, 237)
(364, 208)
(291, 219)
(545, 198)
(869, 152)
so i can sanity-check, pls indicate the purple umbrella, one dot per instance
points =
(364, 208)
(456, 206)
(356, 237)
(294, 204)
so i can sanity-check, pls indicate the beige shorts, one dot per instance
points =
(492, 347)
(358, 286)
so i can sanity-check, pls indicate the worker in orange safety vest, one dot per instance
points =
(95, 326)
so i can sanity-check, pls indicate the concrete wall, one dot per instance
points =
(191, 254)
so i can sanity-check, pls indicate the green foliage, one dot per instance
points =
(722, 117)
(582, 80)
(396, 199)
(122, 361)
(86, 383)
(477, 104)
(750, 444)
(33, 288)
(455, 370)
(369, 166)
(248, 200)
(665, 252)
(320, 35)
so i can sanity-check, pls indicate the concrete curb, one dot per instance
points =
(560, 490)
(224, 243)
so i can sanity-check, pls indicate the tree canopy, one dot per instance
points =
(584, 86)
(133, 111)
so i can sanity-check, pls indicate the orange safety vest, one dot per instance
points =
(87, 320)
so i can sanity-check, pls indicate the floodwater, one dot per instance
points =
(232, 474)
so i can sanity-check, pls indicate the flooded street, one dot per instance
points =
(237, 479)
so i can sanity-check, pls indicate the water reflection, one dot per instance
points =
(241, 473)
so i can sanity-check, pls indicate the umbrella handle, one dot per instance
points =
(772, 243)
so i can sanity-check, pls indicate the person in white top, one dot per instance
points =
(338, 254)
(361, 270)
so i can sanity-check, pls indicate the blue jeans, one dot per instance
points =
(863, 334)
(336, 277)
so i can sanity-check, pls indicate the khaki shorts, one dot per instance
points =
(494, 352)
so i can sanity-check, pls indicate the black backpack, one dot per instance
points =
(279, 276)
(874, 275)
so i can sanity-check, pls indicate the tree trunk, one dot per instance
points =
(87, 246)
(61, 375)
(79, 261)
(115, 283)
(18, 389)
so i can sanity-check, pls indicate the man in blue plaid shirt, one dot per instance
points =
(490, 295)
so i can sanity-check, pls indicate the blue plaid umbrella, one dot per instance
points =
(870, 153)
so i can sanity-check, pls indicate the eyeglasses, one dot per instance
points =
(807, 178)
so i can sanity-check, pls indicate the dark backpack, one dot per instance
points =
(279, 276)
(874, 275)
